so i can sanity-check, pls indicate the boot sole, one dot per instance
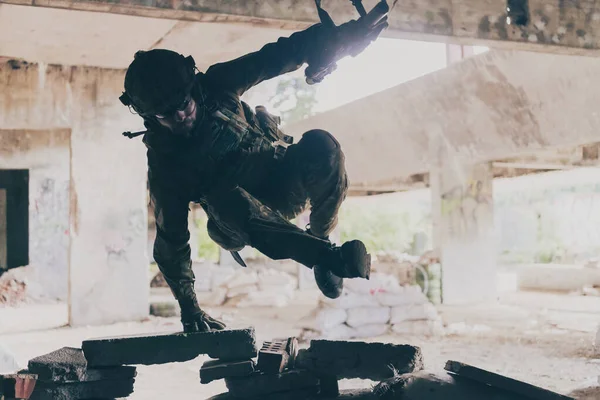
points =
(329, 284)
(357, 261)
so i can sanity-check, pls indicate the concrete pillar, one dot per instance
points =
(463, 228)
(109, 218)
(3, 253)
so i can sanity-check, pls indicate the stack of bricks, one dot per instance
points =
(273, 374)
(105, 368)
(284, 372)
(64, 374)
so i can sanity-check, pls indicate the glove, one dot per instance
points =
(350, 38)
(200, 321)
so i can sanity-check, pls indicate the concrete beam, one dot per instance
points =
(488, 107)
(554, 26)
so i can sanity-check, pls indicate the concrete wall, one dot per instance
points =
(108, 208)
(46, 154)
(3, 229)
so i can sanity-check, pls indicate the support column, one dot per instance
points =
(463, 227)
(3, 231)
(109, 210)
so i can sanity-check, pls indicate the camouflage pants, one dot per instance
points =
(271, 192)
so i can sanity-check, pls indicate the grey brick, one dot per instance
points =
(273, 357)
(260, 384)
(502, 382)
(216, 369)
(329, 386)
(308, 394)
(69, 365)
(359, 359)
(225, 345)
(119, 388)
(66, 364)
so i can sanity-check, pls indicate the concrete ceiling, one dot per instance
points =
(69, 37)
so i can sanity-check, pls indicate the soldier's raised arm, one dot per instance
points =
(320, 45)
(285, 55)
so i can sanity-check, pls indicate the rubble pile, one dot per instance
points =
(64, 374)
(105, 368)
(376, 307)
(280, 370)
(285, 372)
(12, 291)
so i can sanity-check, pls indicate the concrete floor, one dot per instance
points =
(544, 339)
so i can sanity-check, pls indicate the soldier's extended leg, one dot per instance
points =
(245, 220)
(312, 171)
(319, 161)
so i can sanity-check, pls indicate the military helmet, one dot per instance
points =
(158, 81)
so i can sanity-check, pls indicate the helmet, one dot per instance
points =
(158, 81)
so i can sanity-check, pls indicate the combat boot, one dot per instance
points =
(350, 260)
(193, 318)
(350, 256)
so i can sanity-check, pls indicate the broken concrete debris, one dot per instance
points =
(226, 345)
(420, 385)
(260, 383)
(115, 388)
(375, 361)
(282, 372)
(272, 373)
(66, 364)
(501, 382)
(317, 369)
(274, 357)
(69, 365)
(215, 369)
(64, 375)
(329, 386)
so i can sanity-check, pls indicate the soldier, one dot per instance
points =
(207, 146)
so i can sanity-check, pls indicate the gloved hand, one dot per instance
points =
(199, 321)
(350, 38)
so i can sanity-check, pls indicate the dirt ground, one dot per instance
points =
(544, 339)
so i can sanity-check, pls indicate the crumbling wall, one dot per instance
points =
(107, 197)
(45, 153)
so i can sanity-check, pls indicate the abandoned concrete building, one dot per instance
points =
(73, 191)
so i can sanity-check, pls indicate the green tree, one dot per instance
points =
(294, 99)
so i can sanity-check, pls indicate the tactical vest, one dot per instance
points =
(256, 131)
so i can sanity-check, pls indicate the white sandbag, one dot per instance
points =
(377, 283)
(368, 315)
(371, 330)
(349, 300)
(413, 312)
(339, 332)
(328, 318)
(242, 278)
(238, 290)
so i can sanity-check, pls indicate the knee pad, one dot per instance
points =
(320, 142)
(224, 241)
